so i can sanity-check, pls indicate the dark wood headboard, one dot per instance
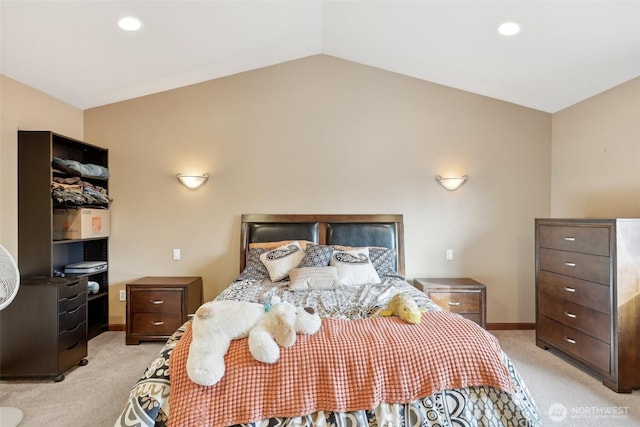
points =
(348, 230)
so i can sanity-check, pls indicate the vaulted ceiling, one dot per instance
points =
(566, 51)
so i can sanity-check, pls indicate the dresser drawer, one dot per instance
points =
(155, 323)
(457, 302)
(584, 319)
(589, 240)
(588, 294)
(156, 301)
(68, 320)
(68, 357)
(581, 345)
(71, 337)
(72, 302)
(594, 268)
(72, 288)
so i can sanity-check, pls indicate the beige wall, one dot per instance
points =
(382, 136)
(22, 107)
(323, 135)
(596, 156)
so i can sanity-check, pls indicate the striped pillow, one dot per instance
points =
(307, 278)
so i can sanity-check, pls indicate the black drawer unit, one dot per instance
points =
(43, 332)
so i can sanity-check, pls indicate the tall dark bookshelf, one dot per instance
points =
(38, 253)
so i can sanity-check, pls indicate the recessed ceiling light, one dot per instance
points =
(509, 28)
(129, 23)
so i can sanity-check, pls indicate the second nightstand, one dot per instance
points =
(457, 295)
(157, 306)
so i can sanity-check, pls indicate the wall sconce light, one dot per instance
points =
(451, 183)
(192, 181)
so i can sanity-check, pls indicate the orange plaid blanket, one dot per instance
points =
(347, 365)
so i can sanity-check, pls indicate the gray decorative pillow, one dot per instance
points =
(383, 260)
(255, 269)
(316, 256)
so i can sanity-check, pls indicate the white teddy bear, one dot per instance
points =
(214, 325)
(278, 328)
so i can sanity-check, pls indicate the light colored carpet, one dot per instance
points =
(566, 396)
(94, 395)
(91, 395)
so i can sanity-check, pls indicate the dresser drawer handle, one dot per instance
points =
(568, 289)
(74, 310)
(570, 315)
(157, 301)
(570, 264)
(570, 239)
(157, 323)
(453, 304)
(569, 340)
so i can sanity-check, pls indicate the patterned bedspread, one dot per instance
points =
(148, 404)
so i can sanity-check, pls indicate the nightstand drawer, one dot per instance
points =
(157, 306)
(156, 323)
(457, 302)
(156, 301)
(458, 295)
(477, 318)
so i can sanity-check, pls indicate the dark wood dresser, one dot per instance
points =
(588, 296)
(44, 330)
(157, 306)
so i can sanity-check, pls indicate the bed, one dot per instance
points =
(497, 396)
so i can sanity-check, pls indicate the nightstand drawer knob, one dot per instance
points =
(570, 239)
(569, 340)
(570, 264)
(568, 289)
(453, 304)
(570, 315)
(157, 301)
(157, 323)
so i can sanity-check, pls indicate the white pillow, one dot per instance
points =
(282, 259)
(354, 267)
(305, 278)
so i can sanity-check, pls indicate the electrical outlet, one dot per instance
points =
(123, 295)
(449, 254)
(176, 255)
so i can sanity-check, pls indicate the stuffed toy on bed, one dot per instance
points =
(214, 325)
(279, 327)
(405, 307)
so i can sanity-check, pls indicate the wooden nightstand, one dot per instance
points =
(157, 306)
(457, 295)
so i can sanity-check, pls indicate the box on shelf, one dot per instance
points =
(83, 223)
